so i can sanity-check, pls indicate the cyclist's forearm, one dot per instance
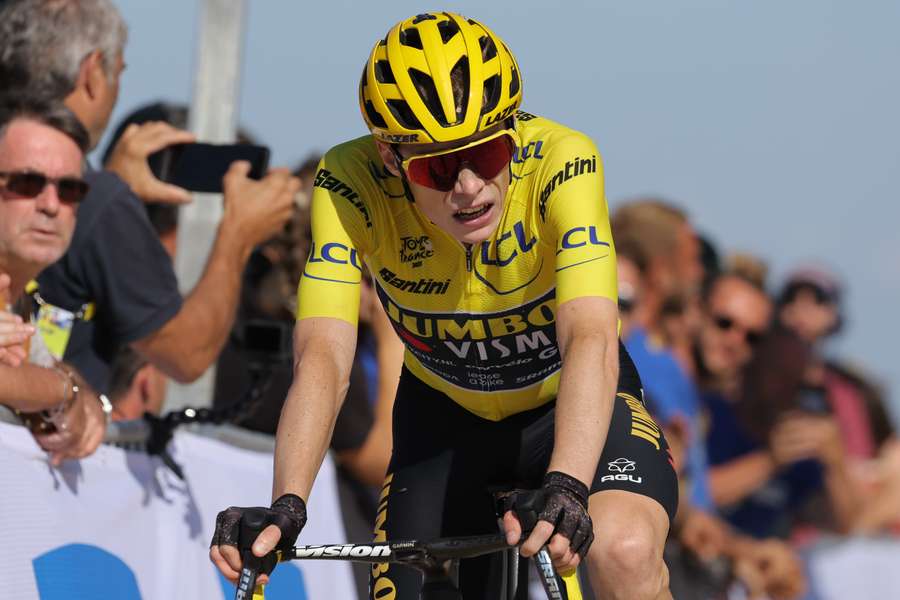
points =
(321, 373)
(584, 404)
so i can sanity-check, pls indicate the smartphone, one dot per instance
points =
(200, 167)
(813, 400)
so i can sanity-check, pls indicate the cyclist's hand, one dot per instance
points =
(563, 520)
(287, 516)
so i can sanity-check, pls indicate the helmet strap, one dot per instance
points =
(406, 189)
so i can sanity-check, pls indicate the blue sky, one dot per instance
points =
(775, 124)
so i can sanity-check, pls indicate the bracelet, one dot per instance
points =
(70, 396)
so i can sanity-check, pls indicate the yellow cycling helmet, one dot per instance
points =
(438, 77)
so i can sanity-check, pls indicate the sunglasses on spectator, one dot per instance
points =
(725, 323)
(820, 296)
(30, 184)
(440, 170)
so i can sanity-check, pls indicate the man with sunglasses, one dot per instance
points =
(41, 153)
(117, 281)
(487, 233)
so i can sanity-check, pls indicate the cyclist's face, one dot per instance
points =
(470, 211)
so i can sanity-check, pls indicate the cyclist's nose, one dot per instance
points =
(468, 182)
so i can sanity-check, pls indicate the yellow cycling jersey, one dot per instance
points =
(477, 321)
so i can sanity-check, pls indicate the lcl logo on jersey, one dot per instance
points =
(415, 249)
(622, 467)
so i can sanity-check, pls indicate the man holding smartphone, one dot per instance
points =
(117, 279)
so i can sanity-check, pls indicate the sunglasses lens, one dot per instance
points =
(436, 172)
(27, 185)
(724, 323)
(489, 158)
(72, 190)
(441, 171)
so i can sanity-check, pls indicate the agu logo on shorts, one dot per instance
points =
(621, 469)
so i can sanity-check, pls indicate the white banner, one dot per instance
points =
(119, 525)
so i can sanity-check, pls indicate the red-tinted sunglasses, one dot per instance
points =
(440, 170)
(29, 184)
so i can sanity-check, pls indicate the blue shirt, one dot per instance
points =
(670, 394)
(771, 509)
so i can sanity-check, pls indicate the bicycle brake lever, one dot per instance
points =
(252, 522)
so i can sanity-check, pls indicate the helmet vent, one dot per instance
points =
(411, 38)
(491, 94)
(404, 115)
(459, 79)
(513, 83)
(428, 92)
(383, 72)
(488, 48)
(374, 117)
(448, 29)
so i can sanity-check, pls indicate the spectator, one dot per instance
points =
(659, 237)
(809, 305)
(134, 388)
(698, 532)
(116, 262)
(41, 152)
(674, 270)
(769, 459)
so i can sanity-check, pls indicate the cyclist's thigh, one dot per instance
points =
(635, 457)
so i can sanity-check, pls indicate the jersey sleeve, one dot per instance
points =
(573, 212)
(341, 234)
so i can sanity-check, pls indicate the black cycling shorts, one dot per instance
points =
(446, 461)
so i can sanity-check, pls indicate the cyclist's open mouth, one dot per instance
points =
(470, 216)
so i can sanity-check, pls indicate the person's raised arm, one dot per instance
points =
(188, 343)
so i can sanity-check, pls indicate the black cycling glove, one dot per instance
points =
(561, 501)
(565, 507)
(288, 513)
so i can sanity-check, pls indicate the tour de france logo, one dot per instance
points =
(415, 249)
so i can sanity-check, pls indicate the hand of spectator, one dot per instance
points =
(770, 568)
(704, 534)
(13, 332)
(257, 210)
(129, 160)
(81, 431)
(800, 436)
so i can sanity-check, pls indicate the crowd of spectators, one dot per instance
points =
(776, 443)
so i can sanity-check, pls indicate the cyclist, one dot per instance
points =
(486, 230)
